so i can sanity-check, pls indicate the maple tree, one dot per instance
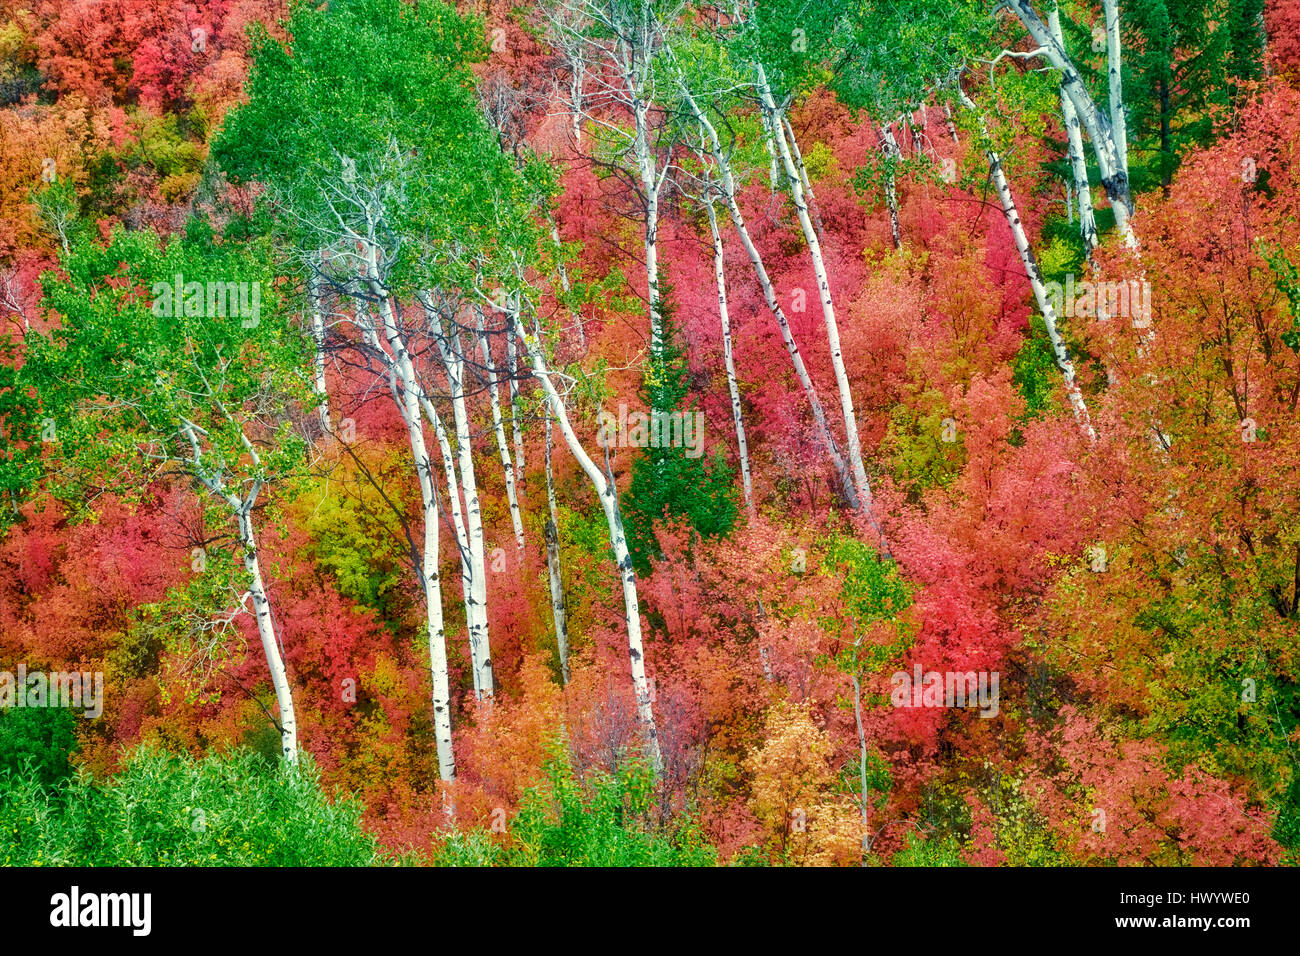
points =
(968, 339)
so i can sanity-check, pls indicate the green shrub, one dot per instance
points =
(603, 822)
(168, 810)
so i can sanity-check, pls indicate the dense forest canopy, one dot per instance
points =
(650, 432)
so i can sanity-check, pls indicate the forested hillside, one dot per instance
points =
(650, 432)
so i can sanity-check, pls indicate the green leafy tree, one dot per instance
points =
(671, 479)
(388, 182)
(1184, 64)
(367, 129)
(36, 743)
(871, 630)
(20, 435)
(173, 360)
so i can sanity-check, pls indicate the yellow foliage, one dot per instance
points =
(789, 771)
(835, 836)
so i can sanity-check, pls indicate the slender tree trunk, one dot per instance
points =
(430, 581)
(553, 569)
(437, 635)
(854, 446)
(650, 187)
(479, 640)
(863, 793)
(1078, 162)
(893, 155)
(317, 306)
(449, 465)
(724, 316)
(458, 517)
(1166, 137)
(453, 360)
(575, 98)
(266, 631)
(1045, 306)
(1114, 179)
(803, 174)
(516, 426)
(407, 394)
(769, 296)
(773, 171)
(498, 426)
(608, 496)
(1115, 82)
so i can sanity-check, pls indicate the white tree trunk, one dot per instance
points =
(430, 580)
(769, 296)
(803, 173)
(242, 508)
(577, 71)
(1115, 80)
(407, 395)
(316, 304)
(266, 631)
(608, 496)
(1114, 179)
(453, 360)
(499, 428)
(724, 316)
(516, 426)
(559, 612)
(1078, 162)
(1045, 306)
(459, 526)
(863, 792)
(893, 157)
(854, 446)
(774, 169)
(650, 183)
(435, 628)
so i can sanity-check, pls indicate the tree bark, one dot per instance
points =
(650, 183)
(893, 156)
(607, 493)
(453, 360)
(1045, 306)
(288, 724)
(316, 305)
(724, 316)
(863, 793)
(499, 428)
(1115, 82)
(803, 173)
(1114, 178)
(728, 183)
(773, 170)
(467, 573)
(559, 612)
(1078, 162)
(854, 447)
(407, 394)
